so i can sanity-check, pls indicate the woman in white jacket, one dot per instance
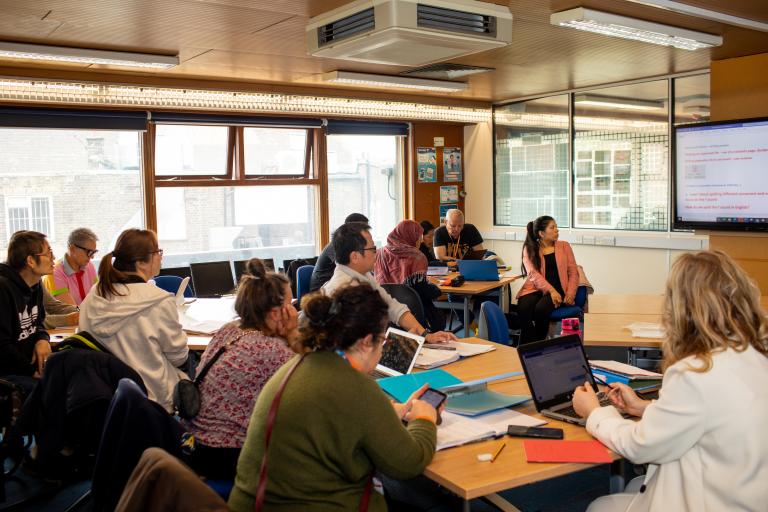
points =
(704, 438)
(137, 321)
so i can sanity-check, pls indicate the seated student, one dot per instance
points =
(24, 342)
(455, 238)
(428, 239)
(74, 274)
(401, 262)
(135, 320)
(326, 262)
(355, 258)
(334, 425)
(704, 437)
(553, 278)
(257, 345)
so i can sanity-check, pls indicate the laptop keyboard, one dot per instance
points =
(378, 374)
(570, 411)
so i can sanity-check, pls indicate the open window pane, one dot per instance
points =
(197, 224)
(532, 161)
(275, 151)
(365, 176)
(54, 181)
(182, 150)
(620, 157)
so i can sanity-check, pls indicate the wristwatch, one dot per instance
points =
(424, 333)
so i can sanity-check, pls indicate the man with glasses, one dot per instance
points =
(24, 342)
(74, 274)
(355, 259)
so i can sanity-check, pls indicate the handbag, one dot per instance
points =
(186, 392)
(261, 490)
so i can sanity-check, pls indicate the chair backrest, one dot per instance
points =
(303, 276)
(171, 284)
(496, 327)
(404, 294)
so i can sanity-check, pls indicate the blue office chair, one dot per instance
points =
(303, 276)
(171, 284)
(575, 311)
(493, 324)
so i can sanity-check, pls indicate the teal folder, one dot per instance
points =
(403, 386)
(481, 402)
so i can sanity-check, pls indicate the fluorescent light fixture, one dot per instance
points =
(597, 100)
(707, 14)
(630, 28)
(86, 56)
(389, 81)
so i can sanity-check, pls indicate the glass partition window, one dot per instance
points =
(275, 151)
(532, 161)
(692, 99)
(620, 158)
(54, 181)
(198, 224)
(189, 150)
(365, 176)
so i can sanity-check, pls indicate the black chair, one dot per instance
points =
(404, 294)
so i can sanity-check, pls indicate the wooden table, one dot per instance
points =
(472, 288)
(458, 470)
(634, 304)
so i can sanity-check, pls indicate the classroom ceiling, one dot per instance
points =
(263, 43)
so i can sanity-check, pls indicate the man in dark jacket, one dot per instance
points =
(24, 342)
(326, 262)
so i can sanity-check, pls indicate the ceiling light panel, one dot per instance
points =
(597, 100)
(388, 81)
(599, 22)
(86, 56)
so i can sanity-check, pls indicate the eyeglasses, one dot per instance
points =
(49, 253)
(88, 252)
(158, 251)
(369, 249)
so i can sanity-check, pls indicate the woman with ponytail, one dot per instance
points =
(135, 320)
(256, 345)
(553, 278)
(333, 425)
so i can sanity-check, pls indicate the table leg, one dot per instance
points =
(466, 317)
(500, 503)
(617, 479)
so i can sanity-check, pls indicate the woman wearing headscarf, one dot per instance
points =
(401, 262)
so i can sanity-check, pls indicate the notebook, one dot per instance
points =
(479, 270)
(553, 369)
(437, 271)
(399, 353)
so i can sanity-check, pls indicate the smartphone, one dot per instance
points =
(544, 433)
(433, 397)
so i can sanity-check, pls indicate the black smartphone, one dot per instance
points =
(544, 433)
(433, 397)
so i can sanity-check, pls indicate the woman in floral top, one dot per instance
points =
(258, 344)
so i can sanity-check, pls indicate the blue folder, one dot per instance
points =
(403, 386)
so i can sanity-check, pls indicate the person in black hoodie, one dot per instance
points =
(24, 342)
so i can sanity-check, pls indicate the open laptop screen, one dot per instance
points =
(554, 368)
(212, 279)
(399, 351)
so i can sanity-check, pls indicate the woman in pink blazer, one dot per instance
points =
(552, 278)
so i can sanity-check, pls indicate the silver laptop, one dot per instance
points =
(399, 353)
(553, 369)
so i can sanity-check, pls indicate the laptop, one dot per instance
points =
(553, 369)
(474, 255)
(240, 265)
(398, 355)
(479, 270)
(212, 279)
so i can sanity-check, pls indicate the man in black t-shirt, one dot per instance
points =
(326, 262)
(455, 239)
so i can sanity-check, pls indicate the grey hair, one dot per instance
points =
(81, 235)
(456, 212)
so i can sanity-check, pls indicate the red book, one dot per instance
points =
(566, 451)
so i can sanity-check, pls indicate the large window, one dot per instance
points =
(616, 176)
(54, 181)
(365, 176)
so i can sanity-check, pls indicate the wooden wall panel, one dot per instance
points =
(425, 197)
(739, 89)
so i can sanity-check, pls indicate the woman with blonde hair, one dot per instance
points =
(704, 437)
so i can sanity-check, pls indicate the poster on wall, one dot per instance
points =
(427, 165)
(452, 164)
(449, 193)
(444, 209)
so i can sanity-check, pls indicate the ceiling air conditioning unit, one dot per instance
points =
(409, 32)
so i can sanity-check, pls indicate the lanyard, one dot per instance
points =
(456, 247)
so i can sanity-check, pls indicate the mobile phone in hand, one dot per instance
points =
(543, 433)
(433, 397)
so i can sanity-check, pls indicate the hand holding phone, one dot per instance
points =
(432, 397)
(542, 433)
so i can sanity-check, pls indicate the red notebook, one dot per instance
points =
(566, 451)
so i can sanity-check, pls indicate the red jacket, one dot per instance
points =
(566, 268)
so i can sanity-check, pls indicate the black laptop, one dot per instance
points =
(240, 265)
(212, 279)
(553, 369)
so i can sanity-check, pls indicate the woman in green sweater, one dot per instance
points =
(334, 425)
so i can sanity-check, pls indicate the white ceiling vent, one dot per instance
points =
(409, 32)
